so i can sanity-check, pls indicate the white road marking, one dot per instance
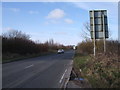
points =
(29, 66)
(62, 76)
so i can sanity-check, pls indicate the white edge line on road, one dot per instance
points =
(29, 66)
(62, 76)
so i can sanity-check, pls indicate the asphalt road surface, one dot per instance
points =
(40, 72)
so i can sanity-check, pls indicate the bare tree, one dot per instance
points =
(85, 32)
(51, 42)
(16, 34)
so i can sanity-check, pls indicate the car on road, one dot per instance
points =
(60, 51)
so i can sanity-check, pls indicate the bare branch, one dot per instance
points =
(85, 34)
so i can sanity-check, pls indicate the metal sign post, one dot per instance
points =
(98, 27)
(94, 34)
(104, 39)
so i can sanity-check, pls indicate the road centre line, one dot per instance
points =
(62, 76)
(29, 66)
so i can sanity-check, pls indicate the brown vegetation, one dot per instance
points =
(102, 71)
(86, 47)
(17, 43)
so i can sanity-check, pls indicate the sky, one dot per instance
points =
(60, 21)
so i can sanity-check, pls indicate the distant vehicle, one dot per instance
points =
(60, 51)
(74, 47)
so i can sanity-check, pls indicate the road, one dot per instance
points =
(40, 72)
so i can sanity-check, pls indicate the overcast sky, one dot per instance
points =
(60, 21)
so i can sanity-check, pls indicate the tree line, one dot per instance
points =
(20, 43)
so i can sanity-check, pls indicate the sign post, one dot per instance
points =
(104, 33)
(94, 34)
(98, 26)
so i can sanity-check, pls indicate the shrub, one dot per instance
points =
(86, 47)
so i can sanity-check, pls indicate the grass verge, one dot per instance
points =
(101, 71)
(80, 61)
